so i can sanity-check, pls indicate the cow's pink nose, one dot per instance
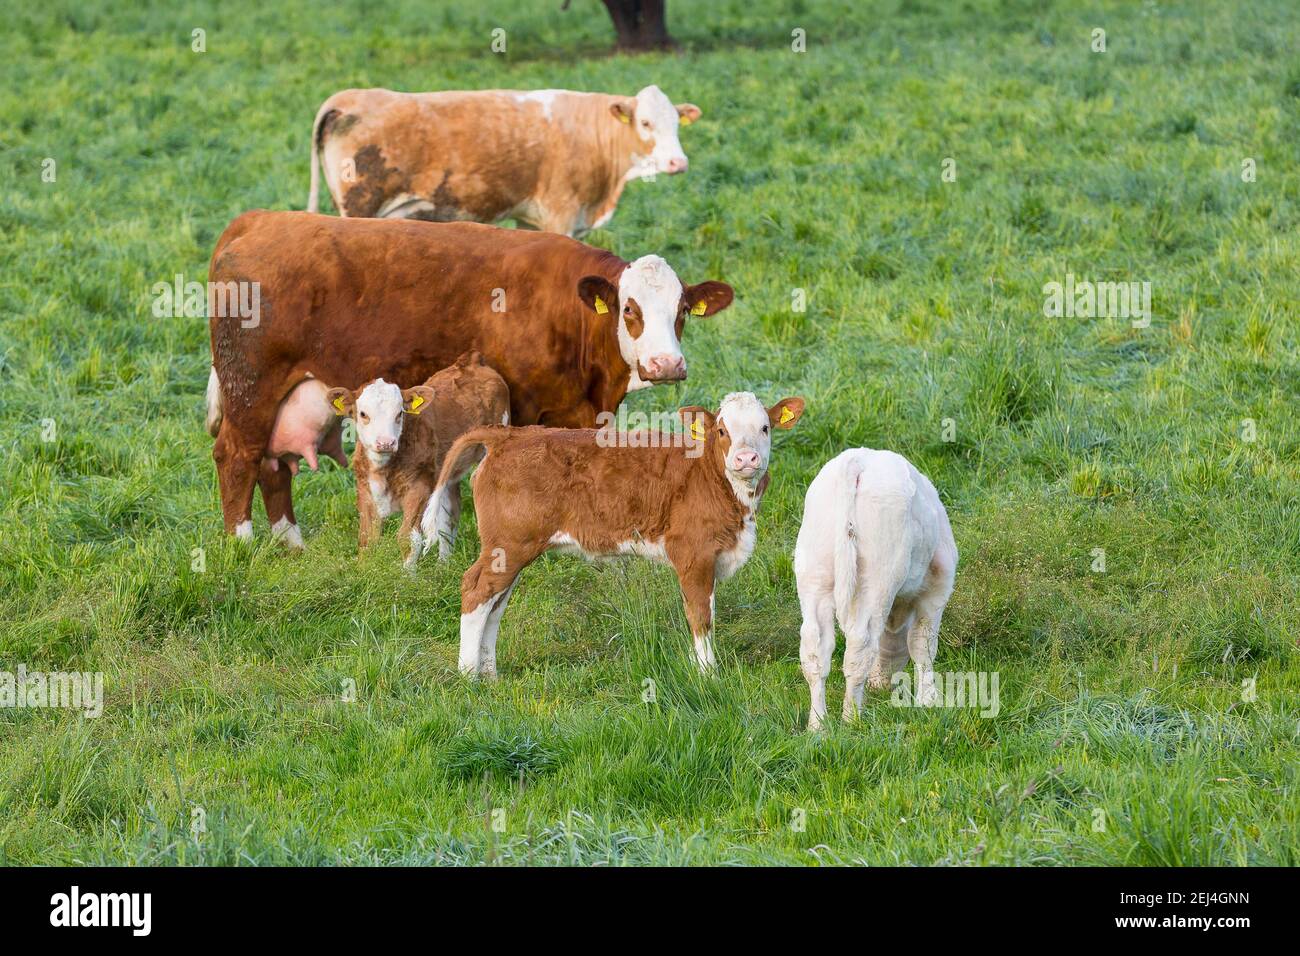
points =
(745, 461)
(677, 164)
(666, 367)
(385, 444)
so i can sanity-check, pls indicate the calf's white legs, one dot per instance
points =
(441, 518)
(478, 635)
(487, 660)
(861, 645)
(816, 647)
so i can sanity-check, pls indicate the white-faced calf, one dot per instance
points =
(576, 490)
(876, 553)
(403, 435)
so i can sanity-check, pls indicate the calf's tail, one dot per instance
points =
(464, 452)
(317, 144)
(846, 541)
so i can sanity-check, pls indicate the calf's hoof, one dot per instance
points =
(288, 535)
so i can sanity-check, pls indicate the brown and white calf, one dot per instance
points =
(555, 160)
(403, 436)
(599, 494)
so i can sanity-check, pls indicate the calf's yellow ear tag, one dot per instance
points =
(416, 402)
(601, 307)
(338, 403)
(786, 414)
(697, 431)
(624, 118)
(699, 308)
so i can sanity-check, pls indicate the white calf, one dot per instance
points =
(876, 553)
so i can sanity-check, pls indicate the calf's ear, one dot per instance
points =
(416, 400)
(785, 412)
(342, 401)
(698, 420)
(623, 109)
(599, 293)
(687, 113)
(706, 298)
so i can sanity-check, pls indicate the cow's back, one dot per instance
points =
(478, 155)
(349, 300)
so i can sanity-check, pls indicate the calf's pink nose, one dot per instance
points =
(744, 461)
(678, 164)
(385, 444)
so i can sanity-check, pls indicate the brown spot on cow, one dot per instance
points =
(376, 182)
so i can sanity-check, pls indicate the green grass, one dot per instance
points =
(1121, 692)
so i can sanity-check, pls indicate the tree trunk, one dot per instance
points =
(639, 24)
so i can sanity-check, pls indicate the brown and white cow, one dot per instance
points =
(595, 494)
(403, 436)
(569, 327)
(554, 160)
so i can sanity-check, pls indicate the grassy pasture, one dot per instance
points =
(1122, 692)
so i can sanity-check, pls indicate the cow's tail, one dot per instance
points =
(213, 398)
(465, 451)
(846, 541)
(317, 145)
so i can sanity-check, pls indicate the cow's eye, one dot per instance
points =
(627, 310)
(365, 417)
(764, 429)
(645, 124)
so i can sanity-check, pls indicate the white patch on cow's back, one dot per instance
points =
(545, 98)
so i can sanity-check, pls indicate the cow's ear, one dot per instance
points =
(698, 421)
(785, 412)
(709, 297)
(341, 401)
(598, 293)
(416, 400)
(623, 109)
(687, 113)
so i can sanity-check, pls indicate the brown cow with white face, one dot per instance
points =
(692, 504)
(554, 160)
(570, 328)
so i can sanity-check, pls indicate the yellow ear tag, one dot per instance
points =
(601, 307)
(624, 118)
(697, 431)
(686, 121)
(338, 403)
(786, 415)
(416, 402)
(699, 308)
